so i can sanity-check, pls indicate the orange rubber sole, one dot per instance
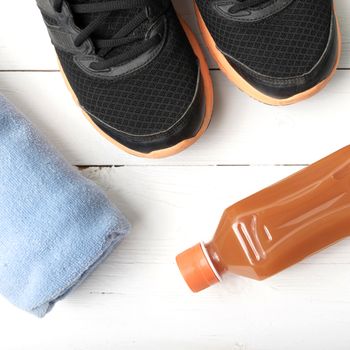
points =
(209, 103)
(242, 84)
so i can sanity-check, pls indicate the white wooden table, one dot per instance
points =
(137, 299)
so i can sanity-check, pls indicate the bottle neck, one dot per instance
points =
(214, 259)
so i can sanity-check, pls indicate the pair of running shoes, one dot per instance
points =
(140, 76)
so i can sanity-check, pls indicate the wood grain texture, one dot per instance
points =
(24, 28)
(137, 299)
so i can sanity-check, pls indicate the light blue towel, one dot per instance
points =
(55, 225)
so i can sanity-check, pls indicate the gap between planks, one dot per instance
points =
(57, 71)
(110, 166)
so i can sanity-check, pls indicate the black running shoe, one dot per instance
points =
(135, 69)
(278, 51)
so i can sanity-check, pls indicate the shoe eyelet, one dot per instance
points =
(58, 10)
(92, 66)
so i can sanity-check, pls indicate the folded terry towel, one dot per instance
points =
(55, 225)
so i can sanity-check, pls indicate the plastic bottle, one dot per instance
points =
(276, 227)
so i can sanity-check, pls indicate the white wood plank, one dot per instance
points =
(242, 131)
(25, 45)
(137, 299)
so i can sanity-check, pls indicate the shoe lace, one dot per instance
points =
(244, 4)
(122, 38)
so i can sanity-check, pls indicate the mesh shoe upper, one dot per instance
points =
(148, 101)
(287, 44)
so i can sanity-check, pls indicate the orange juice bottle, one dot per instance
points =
(276, 227)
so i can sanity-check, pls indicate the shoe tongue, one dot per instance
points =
(114, 22)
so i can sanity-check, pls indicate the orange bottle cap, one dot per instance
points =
(196, 268)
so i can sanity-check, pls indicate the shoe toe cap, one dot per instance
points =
(186, 125)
